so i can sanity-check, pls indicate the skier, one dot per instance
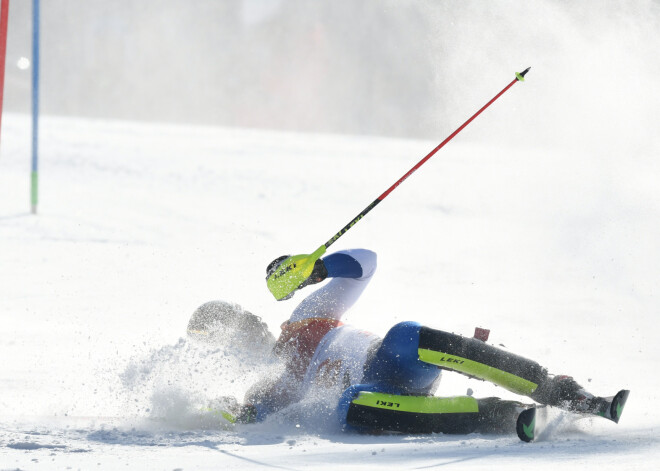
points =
(388, 384)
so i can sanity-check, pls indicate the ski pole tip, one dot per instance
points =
(521, 75)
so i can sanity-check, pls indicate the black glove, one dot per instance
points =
(247, 414)
(319, 273)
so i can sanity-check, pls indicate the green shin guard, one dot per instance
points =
(476, 359)
(378, 412)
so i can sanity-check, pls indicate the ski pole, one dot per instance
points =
(294, 270)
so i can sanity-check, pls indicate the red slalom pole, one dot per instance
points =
(4, 15)
(292, 272)
(520, 76)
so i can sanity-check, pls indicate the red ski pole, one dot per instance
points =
(292, 271)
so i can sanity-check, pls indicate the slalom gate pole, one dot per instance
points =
(295, 270)
(34, 187)
(4, 20)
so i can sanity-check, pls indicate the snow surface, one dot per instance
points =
(554, 250)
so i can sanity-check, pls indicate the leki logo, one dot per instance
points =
(387, 404)
(284, 270)
(452, 360)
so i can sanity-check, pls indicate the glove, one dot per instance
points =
(319, 273)
(275, 264)
(247, 414)
(228, 408)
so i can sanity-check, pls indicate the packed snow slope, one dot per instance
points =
(554, 250)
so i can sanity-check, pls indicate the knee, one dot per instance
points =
(397, 362)
(402, 341)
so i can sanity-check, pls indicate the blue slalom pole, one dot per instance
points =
(35, 106)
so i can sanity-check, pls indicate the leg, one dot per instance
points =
(409, 358)
(476, 359)
(403, 374)
(398, 397)
(370, 411)
(396, 367)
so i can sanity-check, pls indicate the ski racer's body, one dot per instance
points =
(316, 347)
(382, 377)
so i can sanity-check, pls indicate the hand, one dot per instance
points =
(319, 273)
(275, 265)
(287, 267)
(232, 411)
(247, 414)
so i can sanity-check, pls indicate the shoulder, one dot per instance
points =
(366, 259)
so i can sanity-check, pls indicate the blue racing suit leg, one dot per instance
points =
(394, 369)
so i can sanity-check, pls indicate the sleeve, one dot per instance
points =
(350, 272)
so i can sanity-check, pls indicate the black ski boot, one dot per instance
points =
(565, 393)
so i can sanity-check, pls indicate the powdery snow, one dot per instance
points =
(554, 250)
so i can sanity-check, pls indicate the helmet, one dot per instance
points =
(221, 322)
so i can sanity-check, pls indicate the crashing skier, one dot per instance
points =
(389, 384)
